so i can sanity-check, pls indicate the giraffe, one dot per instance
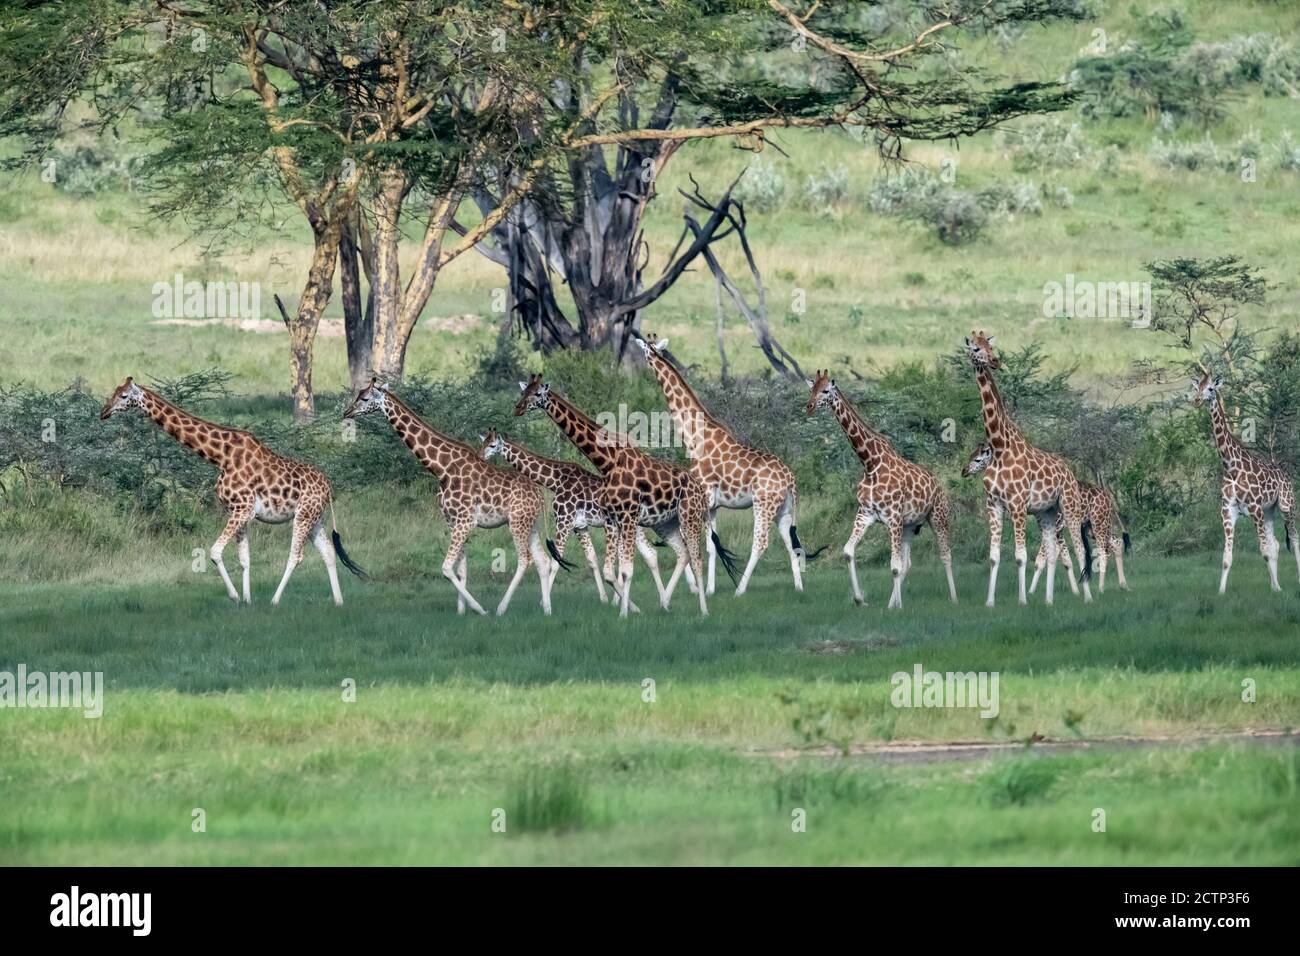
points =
(893, 490)
(1023, 480)
(253, 483)
(576, 507)
(1251, 485)
(637, 490)
(735, 475)
(1102, 518)
(473, 494)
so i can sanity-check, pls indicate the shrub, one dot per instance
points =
(762, 188)
(826, 192)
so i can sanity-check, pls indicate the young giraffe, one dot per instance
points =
(735, 475)
(1023, 480)
(254, 483)
(473, 494)
(576, 506)
(1102, 517)
(637, 490)
(1250, 484)
(893, 490)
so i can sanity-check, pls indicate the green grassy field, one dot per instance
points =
(240, 712)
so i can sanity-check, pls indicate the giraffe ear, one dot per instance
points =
(661, 345)
(523, 386)
(810, 382)
(968, 341)
(992, 339)
(1218, 381)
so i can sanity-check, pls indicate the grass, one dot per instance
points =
(456, 722)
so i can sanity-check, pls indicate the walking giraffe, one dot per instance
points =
(1250, 484)
(473, 494)
(1023, 480)
(1102, 517)
(576, 506)
(893, 490)
(637, 490)
(254, 483)
(735, 475)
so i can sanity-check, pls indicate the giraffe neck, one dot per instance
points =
(871, 446)
(1231, 451)
(440, 454)
(547, 472)
(213, 442)
(598, 444)
(694, 423)
(998, 425)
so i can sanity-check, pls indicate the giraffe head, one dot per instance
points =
(127, 395)
(1207, 387)
(652, 345)
(493, 444)
(536, 393)
(369, 399)
(822, 389)
(980, 349)
(978, 461)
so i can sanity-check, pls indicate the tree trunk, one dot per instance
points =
(306, 319)
(358, 319)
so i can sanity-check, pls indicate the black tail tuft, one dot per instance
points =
(794, 543)
(555, 553)
(347, 561)
(726, 557)
(1286, 529)
(1087, 550)
(1128, 543)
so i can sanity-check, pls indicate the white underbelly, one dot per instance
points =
(271, 515)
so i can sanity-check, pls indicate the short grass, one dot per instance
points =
(240, 712)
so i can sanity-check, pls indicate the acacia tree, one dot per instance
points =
(739, 70)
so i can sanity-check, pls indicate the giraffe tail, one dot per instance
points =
(555, 553)
(347, 561)
(794, 543)
(727, 558)
(338, 546)
(1087, 549)
(1128, 542)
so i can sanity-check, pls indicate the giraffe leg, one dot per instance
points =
(244, 564)
(695, 521)
(236, 527)
(326, 549)
(546, 568)
(1048, 523)
(899, 535)
(861, 523)
(523, 557)
(764, 512)
(563, 525)
(613, 546)
(1074, 524)
(995, 511)
(784, 522)
(462, 574)
(1229, 512)
(676, 542)
(1263, 521)
(1288, 522)
(1040, 562)
(1117, 548)
(712, 526)
(588, 549)
(1064, 551)
(939, 519)
(1022, 554)
(1103, 556)
(303, 522)
(459, 535)
(626, 543)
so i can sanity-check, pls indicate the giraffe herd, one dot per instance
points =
(631, 491)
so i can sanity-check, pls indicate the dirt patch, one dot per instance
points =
(915, 751)
(856, 645)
